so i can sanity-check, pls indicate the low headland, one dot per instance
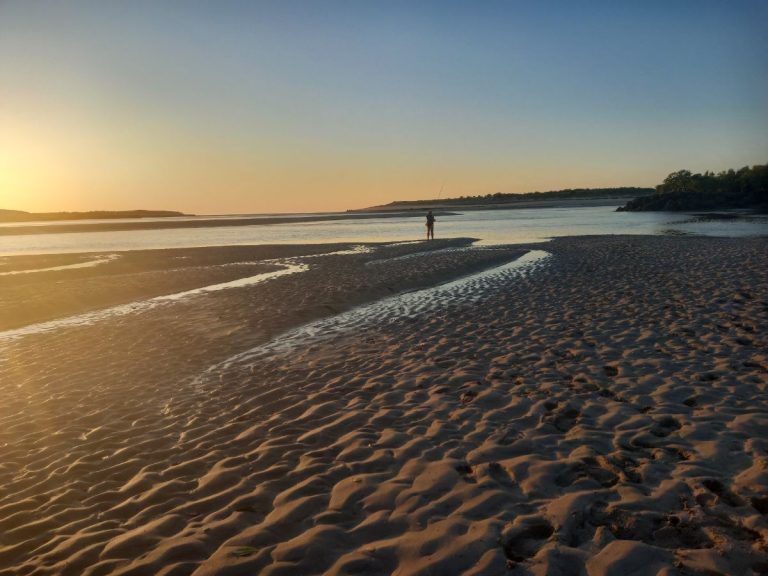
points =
(22, 216)
(571, 197)
(681, 191)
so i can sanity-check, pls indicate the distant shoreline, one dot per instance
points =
(518, 204)
(202, 222)
(445, 208)
(22, 216)
(503, 200)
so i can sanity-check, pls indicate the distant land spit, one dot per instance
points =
(22, 216)
(553, 198)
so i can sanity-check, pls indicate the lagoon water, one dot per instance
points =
(512, 226)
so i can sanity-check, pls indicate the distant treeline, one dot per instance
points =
(510, 197)
(682, 190)
(21, 216)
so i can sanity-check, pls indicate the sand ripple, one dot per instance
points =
(604, 413)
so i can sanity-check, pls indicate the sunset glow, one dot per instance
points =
(283, 106)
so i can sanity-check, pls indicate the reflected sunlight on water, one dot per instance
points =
(489, 226)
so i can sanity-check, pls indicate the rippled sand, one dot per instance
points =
(598, 409)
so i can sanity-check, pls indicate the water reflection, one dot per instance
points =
(490, 226)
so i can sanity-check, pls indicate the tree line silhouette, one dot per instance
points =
(682, 190)
(512, 197)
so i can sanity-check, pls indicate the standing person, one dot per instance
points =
(430, 226)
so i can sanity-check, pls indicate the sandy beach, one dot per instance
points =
(586, 406)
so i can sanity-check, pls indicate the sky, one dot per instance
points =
(224, 106)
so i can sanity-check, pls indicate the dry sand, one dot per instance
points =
(603, 412)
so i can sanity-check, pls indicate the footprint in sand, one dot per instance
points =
(665, 426)
(467, 472)
(467, 397)
(500, 475)
(610, 371)
(563, 419)
(525, 540)
(723, 493)
(566, 419)
(599, 470)
(760, 504)
(507, 436)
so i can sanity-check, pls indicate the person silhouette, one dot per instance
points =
(430, 225)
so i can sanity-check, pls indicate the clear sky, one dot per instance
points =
(265, 106)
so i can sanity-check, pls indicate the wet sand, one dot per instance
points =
(600, 410)
(44, 287)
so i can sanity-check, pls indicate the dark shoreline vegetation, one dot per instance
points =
(745, 188)
(510, 199)
(22, 216)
